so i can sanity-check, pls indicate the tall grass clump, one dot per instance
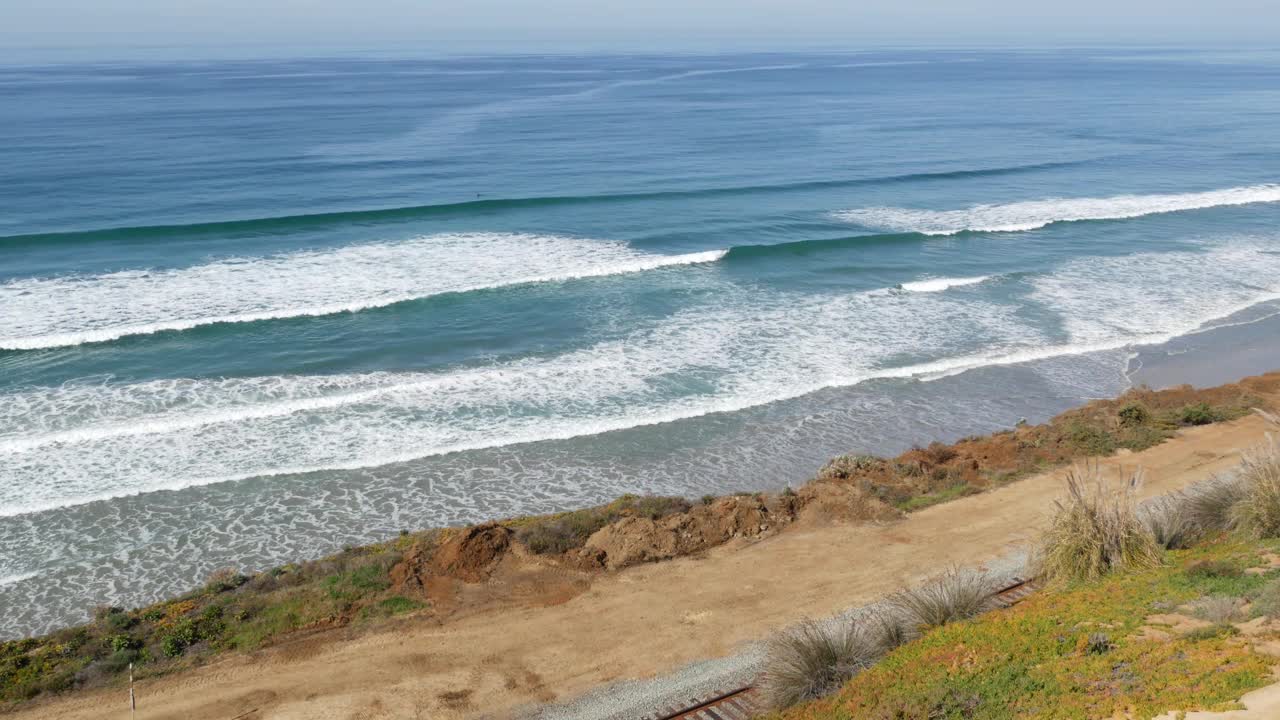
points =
(1095, 529)
(814, 659)
(1170, 522)
(1257, 511)
(1211, 504)
(957, 594)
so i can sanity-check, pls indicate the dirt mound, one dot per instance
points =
(635, 540)
(471, 555)
(409, 576)
(828, 502)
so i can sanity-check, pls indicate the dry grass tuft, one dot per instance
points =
(957, 594)
(1210, 503)
(814, 659)
(1170, 522)
(1095, 530)
(1219, 609)
(1257, 511)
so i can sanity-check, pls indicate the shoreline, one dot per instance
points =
(707, 455)
(643, 622)
(445, 577)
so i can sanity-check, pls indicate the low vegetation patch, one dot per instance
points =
(1137, 420)
(231, 611)
(1074, 651)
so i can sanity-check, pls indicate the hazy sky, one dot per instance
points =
(638, 24)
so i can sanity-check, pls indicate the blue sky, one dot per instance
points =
(637, 24)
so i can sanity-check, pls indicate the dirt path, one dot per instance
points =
(634, 624)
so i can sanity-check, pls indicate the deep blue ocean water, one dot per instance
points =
(253, 311)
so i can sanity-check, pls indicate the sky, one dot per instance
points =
(567, 25)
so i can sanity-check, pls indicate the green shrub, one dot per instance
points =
(919, 502)
(1134, 414)
(397, 604)
(1090, 440)
(224, 580)
(119, 661)
(1094, 531)
(183, 636)
(124, 642)
(1199, 414)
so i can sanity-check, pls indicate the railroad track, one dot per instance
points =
(745, 703)
(740, 704)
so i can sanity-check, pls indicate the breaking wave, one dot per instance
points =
(78, 309)
(1034, 214)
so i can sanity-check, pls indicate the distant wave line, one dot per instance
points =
(415, 211)
(1035, 214)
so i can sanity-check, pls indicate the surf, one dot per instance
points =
(1036, 214)
(74, 310)
(744, 349)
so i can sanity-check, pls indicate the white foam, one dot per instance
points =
(940, 284)
(1153, 297)
(1031, 215)
(71, 310)
(76, 443)
(15, 579)
(72, 444)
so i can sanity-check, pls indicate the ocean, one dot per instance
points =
(253, 311)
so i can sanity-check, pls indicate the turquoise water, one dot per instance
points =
(252, 311)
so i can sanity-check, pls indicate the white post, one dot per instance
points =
(133, 702)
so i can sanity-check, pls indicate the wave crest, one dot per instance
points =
(940, 284)
(1035, 214)
(73, 310)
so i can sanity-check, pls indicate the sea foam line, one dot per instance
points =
(15, 579)
(68, 311)
(940, 284)
(1034, 214)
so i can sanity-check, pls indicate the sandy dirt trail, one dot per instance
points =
(634, 624)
